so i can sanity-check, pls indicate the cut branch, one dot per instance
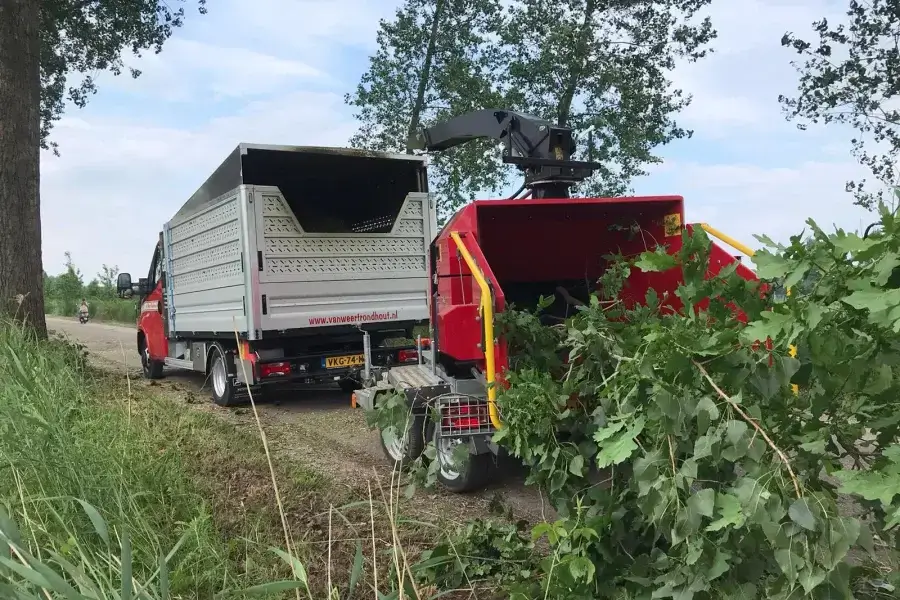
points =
(752, 423)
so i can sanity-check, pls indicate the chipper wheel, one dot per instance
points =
(403, 450)
(456, 473)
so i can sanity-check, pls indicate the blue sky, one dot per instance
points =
(275, 71)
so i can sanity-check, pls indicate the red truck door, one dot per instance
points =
(150, 321)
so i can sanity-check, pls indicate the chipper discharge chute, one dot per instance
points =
(496, 253)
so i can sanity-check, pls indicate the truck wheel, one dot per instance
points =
(468, 475)
(153, 369)
(223, 391)
(405, 449)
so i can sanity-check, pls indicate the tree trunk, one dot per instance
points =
(21, 272)
(565, 102)
(425, 75)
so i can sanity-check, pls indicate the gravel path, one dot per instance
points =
(315, 427)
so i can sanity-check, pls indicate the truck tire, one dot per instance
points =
(405, 450)
(472, 475)
(153, 369)
(224, 392)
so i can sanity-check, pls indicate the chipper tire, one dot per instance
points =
(472, 474)
(408, 447)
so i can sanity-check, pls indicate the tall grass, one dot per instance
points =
(107, 496)
(81, 482)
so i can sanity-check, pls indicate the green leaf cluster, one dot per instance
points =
(680, 460)
(87, 36)
(847, 75)
(598, 66)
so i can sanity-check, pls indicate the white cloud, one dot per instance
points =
(191, 71)
(274, 71)
(744, 200)
(118, 181)
(314, 26)
(736, 88)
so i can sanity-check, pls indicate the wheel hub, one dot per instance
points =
(397, 447)
(219, 377)
(446, 449)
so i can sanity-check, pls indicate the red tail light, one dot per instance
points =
(279, 369)
(407, 356)
(465, 416)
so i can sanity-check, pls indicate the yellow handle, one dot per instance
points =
(728, 239)
(792, 350)
(487, 312)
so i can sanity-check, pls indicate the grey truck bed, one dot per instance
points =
(282, 239)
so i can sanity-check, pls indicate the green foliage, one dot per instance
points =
(89, 36)
(599, 67)
(679, 459)
(482, 554)
(82, 486)
(847, 76)
(459, 62)
(602, 68)
(63, 294)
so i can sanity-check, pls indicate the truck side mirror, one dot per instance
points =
(123, 285)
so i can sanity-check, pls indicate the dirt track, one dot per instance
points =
(315, 427)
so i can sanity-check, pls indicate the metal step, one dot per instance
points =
(180, 364)
(413, 376)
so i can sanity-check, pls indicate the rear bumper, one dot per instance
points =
(328, 367)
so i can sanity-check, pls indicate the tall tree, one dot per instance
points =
(21, 272)
(598, 66)
(41, 44)
(601, 67)
(434, 60)
(849, 73)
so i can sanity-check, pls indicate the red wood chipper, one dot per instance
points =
(494, 253)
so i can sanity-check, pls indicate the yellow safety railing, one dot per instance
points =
(487, 318)
(792, 350)
(728, 239)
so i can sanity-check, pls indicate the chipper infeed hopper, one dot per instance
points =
(496, 253)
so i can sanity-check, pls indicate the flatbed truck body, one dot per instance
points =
(290, 263)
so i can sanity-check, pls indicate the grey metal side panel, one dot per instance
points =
(315, 280)
(207, 276)
(250, 247)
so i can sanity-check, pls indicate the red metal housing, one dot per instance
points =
(525, 248)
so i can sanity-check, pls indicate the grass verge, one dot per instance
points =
(101, 309)
(101, 490)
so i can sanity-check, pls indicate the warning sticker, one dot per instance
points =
(672, 224)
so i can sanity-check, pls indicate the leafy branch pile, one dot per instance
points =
(681, 462)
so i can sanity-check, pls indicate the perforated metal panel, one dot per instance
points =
(313, 279)
(206, 271)
(248, 245)
(291, 254)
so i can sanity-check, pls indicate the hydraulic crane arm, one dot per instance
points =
(537, 146)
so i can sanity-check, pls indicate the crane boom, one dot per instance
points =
(538, 147)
